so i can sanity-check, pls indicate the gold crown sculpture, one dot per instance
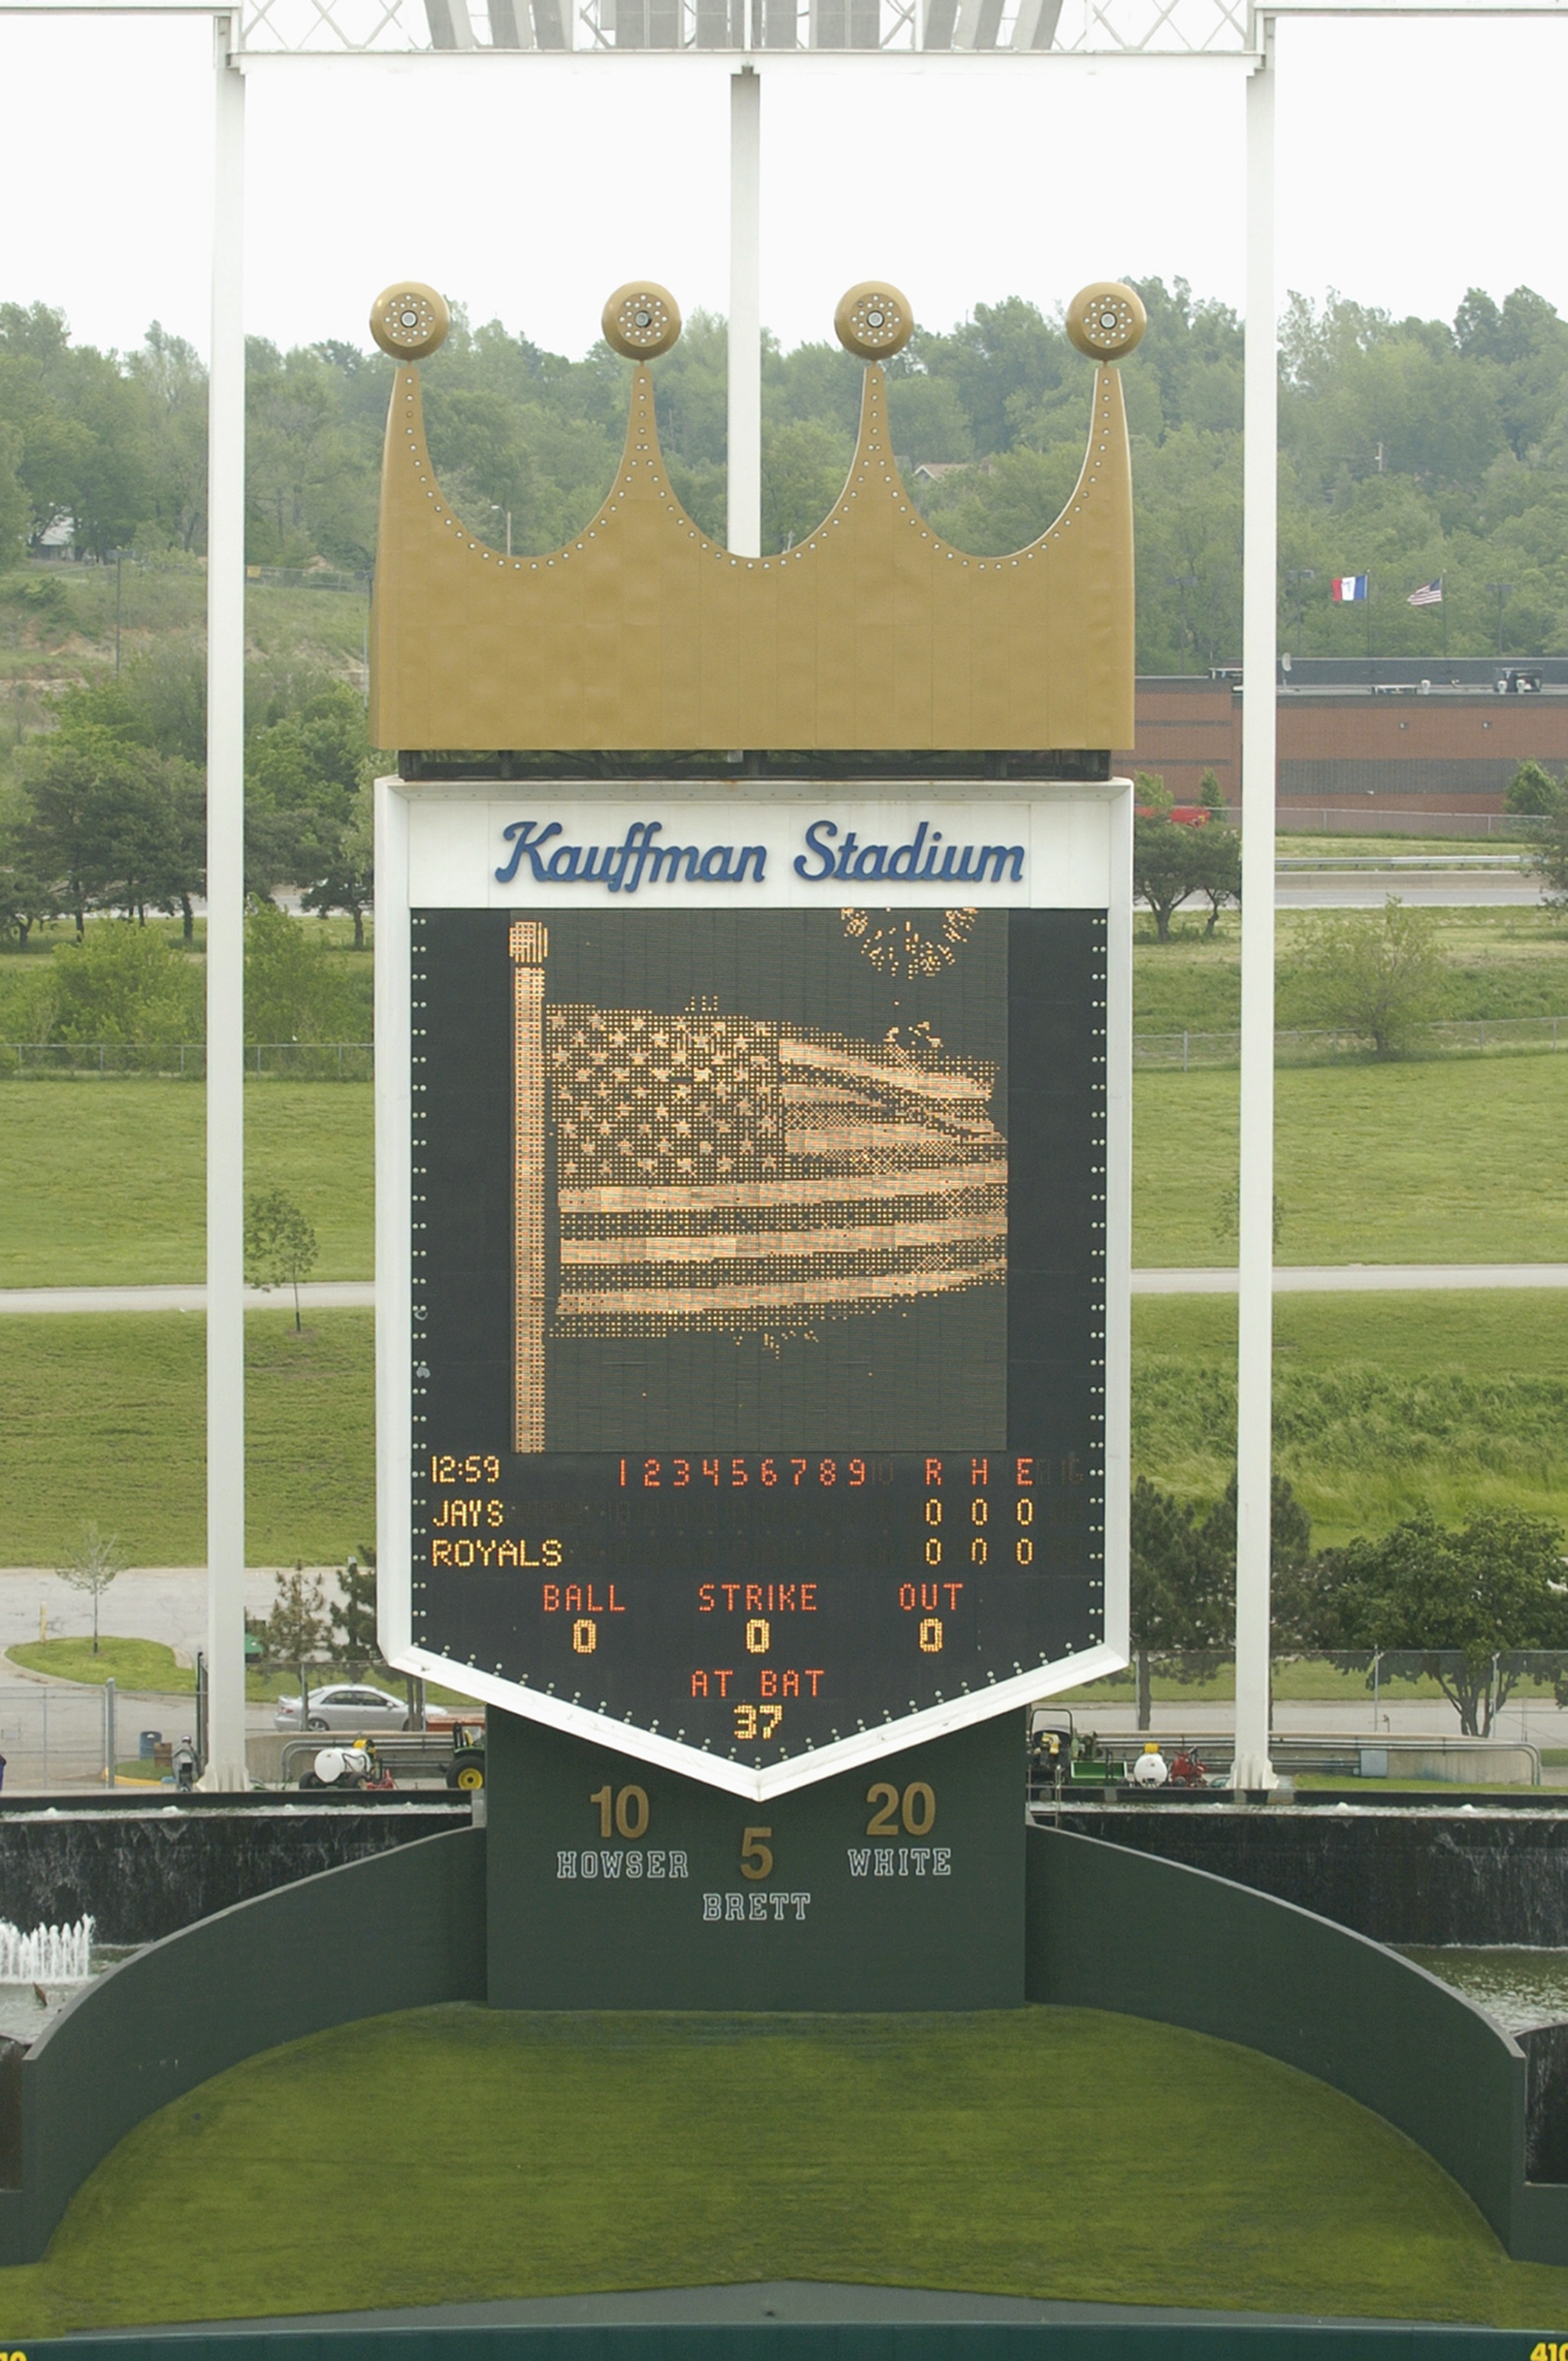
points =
(644, 632)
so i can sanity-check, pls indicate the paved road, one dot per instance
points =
(1358, 1278)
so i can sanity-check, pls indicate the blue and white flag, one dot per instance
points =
(1347, 588)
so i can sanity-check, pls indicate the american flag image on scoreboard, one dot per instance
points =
(724, 1172)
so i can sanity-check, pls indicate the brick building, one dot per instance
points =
(1377, 739)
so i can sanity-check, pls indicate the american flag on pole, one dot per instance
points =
(1429, 595)
(1346, 588)
(723, 1172)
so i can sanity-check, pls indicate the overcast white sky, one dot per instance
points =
(1414, 161)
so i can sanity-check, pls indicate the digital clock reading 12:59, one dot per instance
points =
(758, 1322)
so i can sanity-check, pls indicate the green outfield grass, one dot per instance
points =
(103, 1417)
(1457, 1160)
(129, 1663)
(132, 1665)
(1039, 2152)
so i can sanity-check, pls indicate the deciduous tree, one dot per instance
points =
(1184, 1574)
(1533, 792)
(281, 1246)
(94, 1563)
(124, 983)
(1168, 866)
(1380, 973)
(348, 882)
(1458, 1599)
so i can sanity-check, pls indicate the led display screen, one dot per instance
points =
(758, 1311)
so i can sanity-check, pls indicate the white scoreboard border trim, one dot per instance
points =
(1050, 806)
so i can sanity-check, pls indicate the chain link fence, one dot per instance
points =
(1300, 819)
(1305, 1046)
(1359, 1679)
(354, 1062)
(57, 1737)
(299, 1061)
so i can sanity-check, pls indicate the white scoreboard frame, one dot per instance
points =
(440, 846)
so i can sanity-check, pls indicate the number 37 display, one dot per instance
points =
(754, 1245)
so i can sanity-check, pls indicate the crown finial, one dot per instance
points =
(641, 320)
(410, 320)
(1105, 320)
(873, 320)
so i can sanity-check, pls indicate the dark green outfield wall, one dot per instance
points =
(1112, 1929)
(679, 1918)
(1105, 1929)
(403, 1930)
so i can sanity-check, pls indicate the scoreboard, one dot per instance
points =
(752, 1250)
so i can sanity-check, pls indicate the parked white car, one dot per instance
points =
(347, 1705)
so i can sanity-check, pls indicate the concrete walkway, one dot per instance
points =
(1290, 1279)
(1357, 1278)
(322, 1295)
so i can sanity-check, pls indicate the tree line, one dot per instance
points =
(1411, 450)
(105, 810)
(1452, 1603)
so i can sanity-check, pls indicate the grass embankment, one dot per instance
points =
(1386, 1403)
(1382, 844)
(103, 1417)
(650, 2151)
(1445, 1161)
(1453, 1160)
(102, 1182)
(1511, 961)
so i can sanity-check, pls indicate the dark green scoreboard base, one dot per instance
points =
(611, 1884)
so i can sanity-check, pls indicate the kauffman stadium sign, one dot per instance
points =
(651, 854)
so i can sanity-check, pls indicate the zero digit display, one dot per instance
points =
(758, 1358)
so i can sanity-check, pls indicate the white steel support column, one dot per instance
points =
(744, 476)
(226, 938)
(1255, 1306)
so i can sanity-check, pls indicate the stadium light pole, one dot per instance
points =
(225, 1764)
(1252, 1771)
(744, 447)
